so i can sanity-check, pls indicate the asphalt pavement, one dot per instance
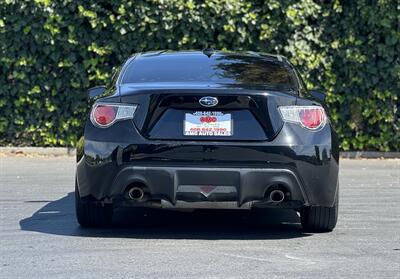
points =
(40, 238)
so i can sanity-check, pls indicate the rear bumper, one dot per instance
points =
(184, 183)
(310, 174)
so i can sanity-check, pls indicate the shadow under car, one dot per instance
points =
(58, 218)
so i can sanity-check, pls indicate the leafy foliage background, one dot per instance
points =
(51, 51)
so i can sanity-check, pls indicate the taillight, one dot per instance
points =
(310, 117)
(103, 115)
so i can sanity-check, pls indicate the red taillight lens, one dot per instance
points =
(104, 115)
(312, 118)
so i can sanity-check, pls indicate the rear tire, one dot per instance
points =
(320, 218)
(91, 214)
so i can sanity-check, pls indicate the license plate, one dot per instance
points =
(208, 123)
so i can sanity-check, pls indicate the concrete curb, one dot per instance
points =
(44, 151)
(69, 151)
(369, 155)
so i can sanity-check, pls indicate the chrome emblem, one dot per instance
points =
(208, 101)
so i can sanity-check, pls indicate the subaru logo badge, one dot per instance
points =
(208, 101)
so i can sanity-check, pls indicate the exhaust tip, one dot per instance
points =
(136, 193)
(277, 196)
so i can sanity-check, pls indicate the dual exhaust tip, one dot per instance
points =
(137, 194)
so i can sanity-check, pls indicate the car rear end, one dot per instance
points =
(189, 130)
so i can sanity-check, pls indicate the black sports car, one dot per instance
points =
(208, 129)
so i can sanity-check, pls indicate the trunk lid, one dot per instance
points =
(173, 111)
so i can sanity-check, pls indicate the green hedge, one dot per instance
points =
(51, 51)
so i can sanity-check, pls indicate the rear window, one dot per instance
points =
(232, 69)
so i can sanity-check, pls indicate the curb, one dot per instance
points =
(70, 151)
(369, 155)
(45, 151)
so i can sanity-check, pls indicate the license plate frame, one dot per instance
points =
(208, 124)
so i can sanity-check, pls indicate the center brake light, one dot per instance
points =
(310, 117)
(104, 115)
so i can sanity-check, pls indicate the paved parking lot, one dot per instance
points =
(40, 238)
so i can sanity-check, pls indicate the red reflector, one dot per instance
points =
(104, 115)
(312, 118)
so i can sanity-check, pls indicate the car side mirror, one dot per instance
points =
(96, 91)
(320, 96)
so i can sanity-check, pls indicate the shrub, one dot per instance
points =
(51, 51)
